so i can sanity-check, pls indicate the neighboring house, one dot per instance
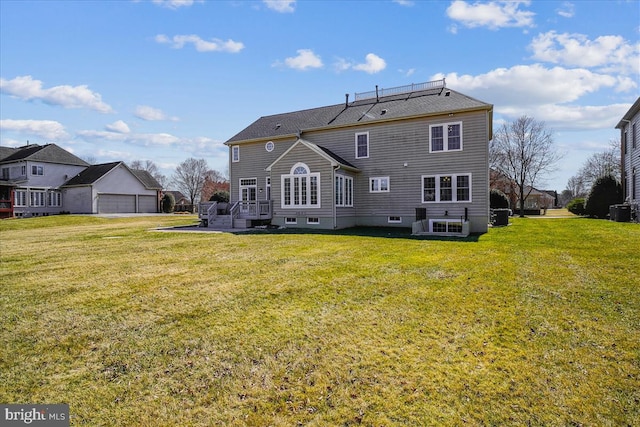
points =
(180, 198)
(413, 156)
(629, 127)
(31, 179)
(40, 180)
(534, 199)
(112, 188)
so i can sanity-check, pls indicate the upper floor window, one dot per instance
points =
(362, 145)
(446, 137)
(379, 184)
(37, 170)
(446, 188)
(5, 173)
(235, 153)
(633, 135)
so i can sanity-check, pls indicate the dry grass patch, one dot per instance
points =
(536, 323)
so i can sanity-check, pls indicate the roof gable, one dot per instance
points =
(91, 174)
(325, 153)
(396, 106)
(49, 153)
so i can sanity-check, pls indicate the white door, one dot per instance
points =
(248, 194)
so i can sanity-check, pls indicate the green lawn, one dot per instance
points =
(537, 323)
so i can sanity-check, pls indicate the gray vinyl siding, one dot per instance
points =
(254, 158)
(316, 164)
(391, 145)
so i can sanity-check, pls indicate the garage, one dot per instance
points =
(147, 204)
(116, 203)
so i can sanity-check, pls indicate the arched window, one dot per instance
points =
(301, 188)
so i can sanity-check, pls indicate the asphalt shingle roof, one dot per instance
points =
(371, 110)
(147, 179)
(49, 153)
(91, 174)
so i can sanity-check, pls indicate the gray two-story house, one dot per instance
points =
(414, 156)
(629, 127)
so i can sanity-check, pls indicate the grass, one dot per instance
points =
(537, 323)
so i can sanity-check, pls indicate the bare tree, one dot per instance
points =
(523, 151)
(189, 177)
(599, 165)
(152, 168)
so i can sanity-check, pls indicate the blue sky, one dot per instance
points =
(165, 80)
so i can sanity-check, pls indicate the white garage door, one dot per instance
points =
(147, 204)
(116, 203)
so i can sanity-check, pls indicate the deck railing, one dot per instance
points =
(257, 209)
(413, 87)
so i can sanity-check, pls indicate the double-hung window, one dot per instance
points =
(37, 198)
(446, 188)
(362, 145)
(55, 198)
(445, 137)
(235, 153)
(20, 198)
(301, 188)
(37, 170)
(379, 184)
(344, 191)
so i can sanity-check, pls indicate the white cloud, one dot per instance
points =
(305, 60)
(143, 139)
(151, 114)
(407, 3)
(213, 45)
(373, 64)
(25, 87)
(174, 4)
(567, 10)
(46, 129)
(282, 6)
(493, 15)
(118, 126)
(548, 94)
(609, 53)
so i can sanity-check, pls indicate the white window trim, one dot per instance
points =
(344, 191)
(313, 220)
(394, 219)
(235, 153)
(37, 198)
(379, 180)
(20, 198)
(446, 221)
(37, 168)
(290, 220)
(445, 142)
(306, 177)
(54, 198)
(368, 145)
(454, 188)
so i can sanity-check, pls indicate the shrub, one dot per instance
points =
(220, 196)
(498, 200)
(168, 203)
(605, 192)
(576, 206)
